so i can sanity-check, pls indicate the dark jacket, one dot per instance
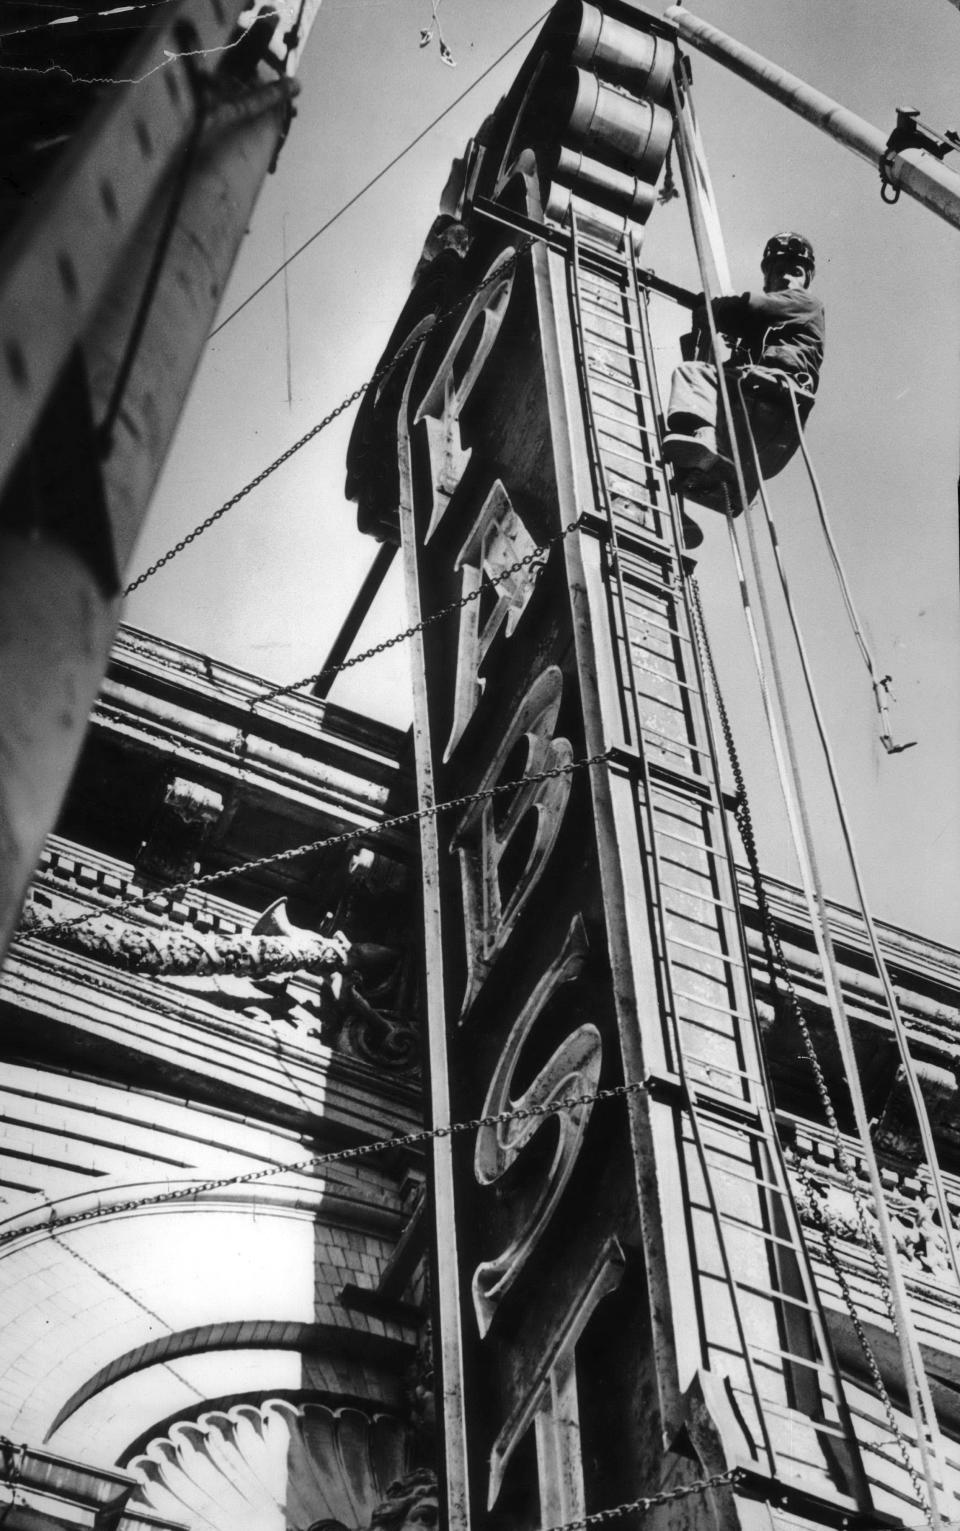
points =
(776, 329)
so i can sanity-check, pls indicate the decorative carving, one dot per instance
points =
(897, 1131)
(412, 1504)
(419, 1390)
(915, 1223)
(375, 1032)
(178, 831)
(278, 1466)
(160, 950)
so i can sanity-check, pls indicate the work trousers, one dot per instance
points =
(695, 391)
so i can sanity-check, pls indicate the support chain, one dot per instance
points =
(192, 885)
(537, 557)
(278, 462)
(54, 1225)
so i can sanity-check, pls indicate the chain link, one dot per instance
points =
(650, 1501)
(536, 557)
(177, 890)
(380, 373)
(54, 1225)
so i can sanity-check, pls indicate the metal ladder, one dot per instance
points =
(762, 1330)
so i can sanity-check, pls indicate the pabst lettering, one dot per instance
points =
(504, 845)
(453, 383)
(572, 1070)
(498, 540)
(504, 849)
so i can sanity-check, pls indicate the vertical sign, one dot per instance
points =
(624, 1273)
(537, 1218)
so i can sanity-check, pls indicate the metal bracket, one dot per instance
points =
(911, 133)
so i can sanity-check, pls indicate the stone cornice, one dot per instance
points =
(180, 769)
(926, 966)
(62, 1008)
(142, 662)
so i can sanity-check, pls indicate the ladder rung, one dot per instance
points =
(663, 701)
(715, 1031)
(689, 893)
(773, 1295)
(665, 627)
(697, 845)
(733, 1013)
(608, 469)
(709, 1095)
(614, 310)
(634, 329)
(758, 1181)
(693, 947)
(618, 382)
(597, 342)
(795, 1360)
(741, 1074)
(795, 1416)
(759, 1129)
(632, 499)
(671, 680)
(634, 425)
(758, 1233)
(638, 461)
(618, 294)
(678, 744)
(668, 803)
(630, 420)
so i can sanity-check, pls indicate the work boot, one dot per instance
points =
(694, 453)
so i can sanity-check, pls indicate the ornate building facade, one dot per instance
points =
(240, 1341)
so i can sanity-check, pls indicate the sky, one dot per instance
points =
(267, 589)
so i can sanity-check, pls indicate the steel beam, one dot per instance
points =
(916, 171)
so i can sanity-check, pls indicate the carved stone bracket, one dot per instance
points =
(917, 1232)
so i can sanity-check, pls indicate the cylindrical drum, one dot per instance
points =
(614, 127)
(593, 222)
(619, 52)
(609, 188)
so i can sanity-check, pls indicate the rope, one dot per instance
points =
(62, 21)
(780, 973)
(107, 79)
(921, 1404)
(880, 685)
(378, 177)
(177, 890)
(278, 462)
(883, 972)
(54, 1225)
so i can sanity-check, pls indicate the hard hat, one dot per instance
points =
(788, 247)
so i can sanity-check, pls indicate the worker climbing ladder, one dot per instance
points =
(761, 1333)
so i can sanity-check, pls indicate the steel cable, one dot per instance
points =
(917, 1385)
